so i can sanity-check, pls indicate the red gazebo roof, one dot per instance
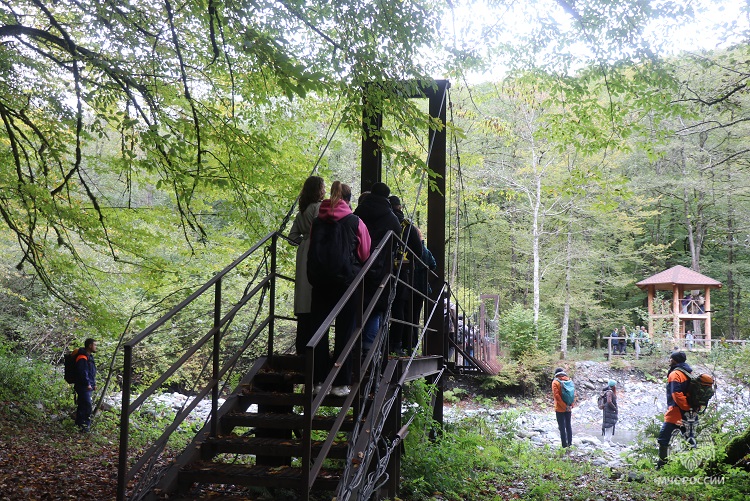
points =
(678, 275)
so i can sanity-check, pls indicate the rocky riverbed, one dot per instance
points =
(639, 400)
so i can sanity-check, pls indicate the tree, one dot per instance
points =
(126, 125)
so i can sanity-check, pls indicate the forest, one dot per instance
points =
(579, 173)
(146, 144)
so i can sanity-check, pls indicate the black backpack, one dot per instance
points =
(70, 364)
(701, 387)
(332, 259)
(602, 400)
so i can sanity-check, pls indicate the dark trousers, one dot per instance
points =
(566, 428)
(401, 334)
(323, 301)
(304, 332)
(665, 434)
(370, 330)
(83, 412)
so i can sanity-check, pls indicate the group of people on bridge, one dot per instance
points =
(333, 242)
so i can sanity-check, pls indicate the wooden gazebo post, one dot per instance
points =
(707, 308)
(651, 296)
(679, 279)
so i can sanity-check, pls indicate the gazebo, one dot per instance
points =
(689, 309)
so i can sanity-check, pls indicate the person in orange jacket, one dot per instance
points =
(563, 411)
(677, 402)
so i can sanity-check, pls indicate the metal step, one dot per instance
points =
(284, 363)
(250, 396)
(271, 379)
(279, 447)
(251, 475)
(272, 420)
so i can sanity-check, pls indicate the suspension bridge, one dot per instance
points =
(265, 427)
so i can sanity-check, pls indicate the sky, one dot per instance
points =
(469, 24)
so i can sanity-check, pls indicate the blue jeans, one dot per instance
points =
(566, 428)
(665, 434)
(370, 331)
(83, 413)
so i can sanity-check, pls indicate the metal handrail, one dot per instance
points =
(220, 323)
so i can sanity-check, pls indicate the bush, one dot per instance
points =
(520, 334)
(31, 384)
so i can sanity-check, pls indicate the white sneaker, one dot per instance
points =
(340, 391)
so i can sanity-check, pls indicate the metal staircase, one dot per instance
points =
(271, 431)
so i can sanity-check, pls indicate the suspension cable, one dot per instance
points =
(378, 477)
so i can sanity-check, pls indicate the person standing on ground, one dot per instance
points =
(623, 341)
(312, 194)
(609, 410)
(563, 411)
(677, 402)
(85, 384)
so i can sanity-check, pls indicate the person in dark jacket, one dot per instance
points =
(422, 270)
(375, 211)
(85, 384)
(677, 402)
(609, 412)
(401, 335)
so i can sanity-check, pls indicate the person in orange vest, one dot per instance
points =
(677, 403)
(563, 411)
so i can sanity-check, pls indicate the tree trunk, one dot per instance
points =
(738, 450)
(566, 308)
(732, 320)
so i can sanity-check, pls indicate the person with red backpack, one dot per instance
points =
(85, 384)
(339, 245)
(563, 393)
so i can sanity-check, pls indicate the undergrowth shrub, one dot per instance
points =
(521, 336)
(461, 458)
(35, 386)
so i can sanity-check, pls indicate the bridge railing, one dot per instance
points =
(226, 323)
(230, 321)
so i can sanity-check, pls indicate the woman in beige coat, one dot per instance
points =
(313, 192)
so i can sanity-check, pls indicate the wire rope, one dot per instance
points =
(370, 482)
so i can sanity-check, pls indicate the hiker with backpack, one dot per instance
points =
(85, 383)
(607, 402)
(563, 393)
(688, 394)
(401, 335)
(339, 244)
(422, 282)
(678, 381)
(312, 194)
(374, 210)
